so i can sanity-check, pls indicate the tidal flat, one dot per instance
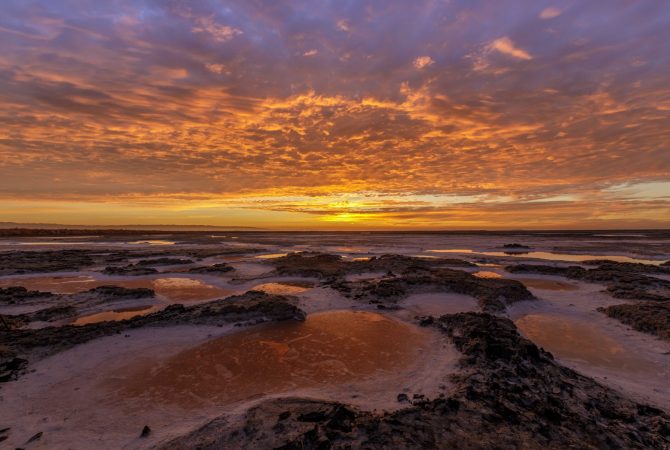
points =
(335, 340)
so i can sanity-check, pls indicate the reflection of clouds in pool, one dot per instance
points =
(327, 349)
(572, 339)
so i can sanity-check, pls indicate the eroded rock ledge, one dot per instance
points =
(509, 394)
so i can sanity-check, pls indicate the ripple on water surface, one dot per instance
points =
(327, 349)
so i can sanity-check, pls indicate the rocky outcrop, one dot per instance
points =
(20, 262)
(251, 307)
(213, 269)
(327, 266)
(18, 294)
(53, 313)
(648, 317)
(508, 394)
(164, 262)
(494, 294)
(130, 269)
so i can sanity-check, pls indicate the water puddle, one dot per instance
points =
(174, 289)
(439, 304)
(487, 274)
(271, 255)
(285, 287)
(328, 349)
(57, 285)
(574, 340)
(553, 256)
(178, 289)
(549, 285)
(116, 314)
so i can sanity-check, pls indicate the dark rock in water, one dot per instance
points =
(34, 438)
(146, 431)
(19, 262)
(43, 315)
(131, 269)
(10, 365)
(17, 294)
(111, 292)
(163, 262)
(648, 317)
(215, 268)
(326, 266)
(514, 246)
(493, 294)
(508, 394)
(251, 307)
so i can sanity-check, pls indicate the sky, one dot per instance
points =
(341, 114)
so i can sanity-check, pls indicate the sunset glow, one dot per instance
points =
(429, 114)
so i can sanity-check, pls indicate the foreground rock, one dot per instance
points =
(648, 317)
(251, 307)
(623, 280)
(508, 394)
(493, 294)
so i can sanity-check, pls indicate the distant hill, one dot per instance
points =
(55, 226)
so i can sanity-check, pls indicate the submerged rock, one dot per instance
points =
(508, 394)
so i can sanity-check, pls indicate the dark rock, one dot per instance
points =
(493, 294)
(146, 431)
(215, 268)
(34, 438)
(648, 317)
(326, 266)
(163, 262)
(18, 294)
(519, 246)
(111, 292)
(19, 262)
(131, 269)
